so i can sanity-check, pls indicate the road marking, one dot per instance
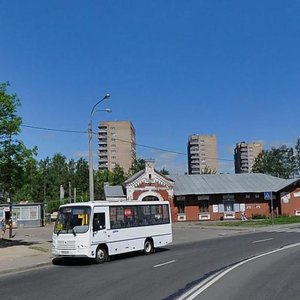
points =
(201, 287)
(163, 264)
(265, 240)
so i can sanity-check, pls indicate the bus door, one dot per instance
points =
(99, 227)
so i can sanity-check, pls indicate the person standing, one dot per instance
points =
(243, 216)
(3, 228)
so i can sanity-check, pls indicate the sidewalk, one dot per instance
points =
(31, 247)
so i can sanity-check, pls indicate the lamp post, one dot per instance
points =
(90, 134)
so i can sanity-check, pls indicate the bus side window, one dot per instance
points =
(99, 221)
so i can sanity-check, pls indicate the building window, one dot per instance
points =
(228, 206)
(203, 206)
(150, 198)
(181, 207)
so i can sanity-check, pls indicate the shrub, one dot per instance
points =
(258, 216)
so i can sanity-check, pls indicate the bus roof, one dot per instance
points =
(113, 203)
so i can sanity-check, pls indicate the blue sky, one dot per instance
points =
(173, 68)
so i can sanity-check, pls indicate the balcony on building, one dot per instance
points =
(193, 141)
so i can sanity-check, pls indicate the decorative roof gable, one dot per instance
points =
(148, 176)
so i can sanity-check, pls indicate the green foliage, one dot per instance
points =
(163, 171)
(57, 171)
(23, 178)
(137, 165)
(208, 170)
(116, 177)
(297, 157)
(100, 178)
(257, 222)
(15, 158)
(282, 162)
(258, 216)
(9, 121)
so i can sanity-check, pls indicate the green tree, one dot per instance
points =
(31, 190)
(137, 165)
(117, 176)
(208, 170)
(279, 162)
(101, 177)
(14, 156)
(81, 179)
(58, 171)
(297, 157)
(163, 171)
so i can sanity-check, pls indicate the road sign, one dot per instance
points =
(268, 195)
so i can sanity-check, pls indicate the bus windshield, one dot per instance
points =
(72, 219)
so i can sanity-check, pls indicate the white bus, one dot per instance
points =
(100, 229)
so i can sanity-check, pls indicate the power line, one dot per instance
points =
(53, 129)
(124, 141)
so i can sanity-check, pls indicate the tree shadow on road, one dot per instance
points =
(5, 243)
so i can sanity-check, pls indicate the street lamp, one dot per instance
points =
(90, 134)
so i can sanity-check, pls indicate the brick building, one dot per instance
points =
(145, 185)
(226, 196)
(212, 197)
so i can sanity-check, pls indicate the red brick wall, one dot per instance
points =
(192, 213)
(163, 193)
(253, 206)
(162, 190)
(292, 204)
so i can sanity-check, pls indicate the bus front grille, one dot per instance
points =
(69, 245)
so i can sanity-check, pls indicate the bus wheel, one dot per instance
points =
(101, 255)
(148, 246)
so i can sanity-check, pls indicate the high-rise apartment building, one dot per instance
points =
(202, 154)
(116, 145)
(244, 156)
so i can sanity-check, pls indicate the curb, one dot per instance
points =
(23, 269)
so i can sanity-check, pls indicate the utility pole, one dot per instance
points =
(10, 217)
(61, 193)
(70, 192)
(90, 135)
(74, 192)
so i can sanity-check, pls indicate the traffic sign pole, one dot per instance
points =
(272, 210)
(269, 196)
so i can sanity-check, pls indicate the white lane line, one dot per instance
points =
(201, 287)
(260, 241)
(163, 264)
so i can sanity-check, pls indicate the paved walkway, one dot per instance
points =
(31, 247)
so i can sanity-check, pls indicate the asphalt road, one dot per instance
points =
(275, 275)
(168, 274)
